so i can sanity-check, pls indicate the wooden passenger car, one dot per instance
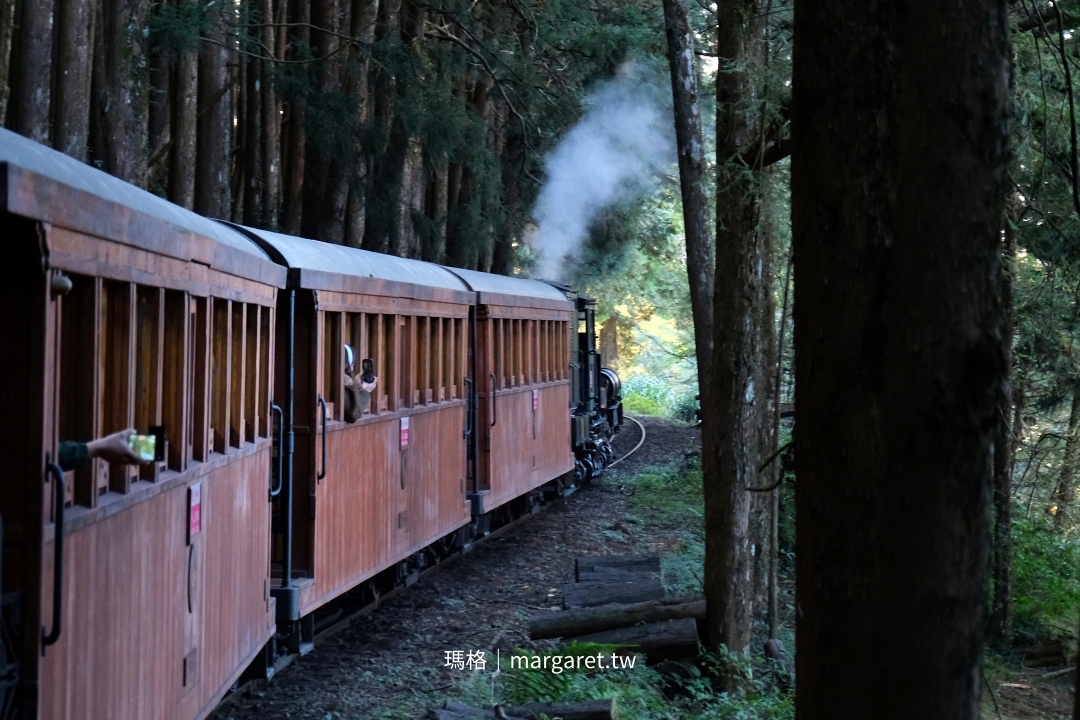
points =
(368, 494)
(119, 309)
(522, 356)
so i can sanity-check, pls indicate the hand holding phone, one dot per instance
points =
(368, 366)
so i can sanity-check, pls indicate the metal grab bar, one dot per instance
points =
(322, 472)
(468, 407)
(49, 638)
(494, 403)
(280, 453)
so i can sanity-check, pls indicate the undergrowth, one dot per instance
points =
(1046, 581)
(667, 497)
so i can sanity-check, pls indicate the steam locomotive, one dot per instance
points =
(147, 591)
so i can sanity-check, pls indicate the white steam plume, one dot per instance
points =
(617, 151)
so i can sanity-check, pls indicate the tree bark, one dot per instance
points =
(688, 136)
(125, 110)
(608, 617)
(271, 123)
(731, 449)
(75, 33)
(34, 71)
(213, 191)
(183, 152)
(1004, 456)
(7, 35)
(297, 129)
(900, 147)
(1064, 490)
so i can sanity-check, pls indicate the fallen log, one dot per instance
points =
(606, 574)
(608, 617)
(633, 563)
(667, 640)
(588, 710)
(591, 594)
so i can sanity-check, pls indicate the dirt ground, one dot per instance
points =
(389, 664)
(1028, 695)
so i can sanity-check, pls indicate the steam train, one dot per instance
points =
(146, 591)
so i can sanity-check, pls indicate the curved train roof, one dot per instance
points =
(327, 266)
(46, 185)
(505, 290)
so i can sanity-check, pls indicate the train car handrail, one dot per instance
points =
(322, 471)
(468, 408)
(281, 451)
(50, 638)
(494, 403)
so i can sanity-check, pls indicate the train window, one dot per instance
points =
(534, 351)
(220, 357)
(435, 392)
(80, 381)
(266, 384)
(118, 356)
(421, 350)
(202, 431)
(333, 365)
(237, 362)
(391, 348)
(252, 380)
(505, 354)
(374, 344)
(175, 394)
(449, 350)
(460, 350)
(519, 355)
(149, 337)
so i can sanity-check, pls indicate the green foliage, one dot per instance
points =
(1046, 579)
(178, 27)
(637, 404)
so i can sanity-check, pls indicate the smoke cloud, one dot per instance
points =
(618, 150)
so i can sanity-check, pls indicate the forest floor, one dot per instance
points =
(390, 664)
(1022, 694)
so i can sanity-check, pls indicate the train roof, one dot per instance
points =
(326, 266)
(45, 185)
(505, 290)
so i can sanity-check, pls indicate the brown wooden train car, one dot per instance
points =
(368, 494)
(130, 592)
(522, 357)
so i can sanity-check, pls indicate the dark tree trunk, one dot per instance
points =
(213, 193)
(900, 138)
(75, 34)
(271, 123)
(33, 66)
(737, 400)
(125, 110)
(7, 35)
(297, 129)
(1004, 455)
(159, 126)
(688, 134)
(387, 154)
(1064, 489)
(182, 160)
(254, 210)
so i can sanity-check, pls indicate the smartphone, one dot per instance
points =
(145, 446)
(368, 366)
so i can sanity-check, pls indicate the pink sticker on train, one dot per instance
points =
(404, 433)
(194, 510)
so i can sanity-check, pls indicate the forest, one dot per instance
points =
(869, 212)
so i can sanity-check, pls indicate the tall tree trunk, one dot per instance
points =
(1065, 488)
(34, 70)
(7, 35)
(1004, 455)
(125, 109)
(297, 128)
(731, 450)
(159, 126)
(324, 189)
(900, 147)
(254, 210)
(213, 192)
(75, 34)
(688, 135)
(271, 122)
(387, 154)
(184, 105)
